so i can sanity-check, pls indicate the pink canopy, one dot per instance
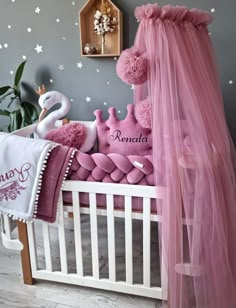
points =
(172, 62)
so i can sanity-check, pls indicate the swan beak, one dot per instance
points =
(42, 114)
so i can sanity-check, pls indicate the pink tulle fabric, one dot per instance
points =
(143, 113)
(192, 145)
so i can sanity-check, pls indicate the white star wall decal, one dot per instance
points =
(38, 48)
(5, 45)
(29, 29)
(132, 87)
(11, 72)
(61, 67)
(88, 99)
(37, 10)
(24, 57)
(79, 65)
(213, 10)
(51, 80)
(9, 26)
(231, 81)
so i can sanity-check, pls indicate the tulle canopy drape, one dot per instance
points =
(172, 63)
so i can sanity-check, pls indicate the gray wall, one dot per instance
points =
(97, 78)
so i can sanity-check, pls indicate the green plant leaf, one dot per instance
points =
(3, 90)
(19, 73)
(15, 120)
(4, 113)
(16, 92)
(29, 113)
(11, 101)
(5, 95)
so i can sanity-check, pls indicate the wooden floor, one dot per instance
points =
(13, 293)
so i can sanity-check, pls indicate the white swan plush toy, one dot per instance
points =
(73, 134)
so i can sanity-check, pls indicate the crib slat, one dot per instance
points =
(146, 242)
(62, 239)
(111, 237)
(7, 226)
(47, 250)
(77, 233)
(128, 240)
(32, 246)
(94, 234)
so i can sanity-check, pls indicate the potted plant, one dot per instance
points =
(24, 113)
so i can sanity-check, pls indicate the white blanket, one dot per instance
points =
(22, 161)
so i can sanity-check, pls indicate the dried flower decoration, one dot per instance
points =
(104, 21)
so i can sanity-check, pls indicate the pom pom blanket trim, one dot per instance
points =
(58, 168)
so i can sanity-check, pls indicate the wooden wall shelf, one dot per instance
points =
(113, 40)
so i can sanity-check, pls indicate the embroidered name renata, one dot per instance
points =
(116, 135)
(20, 174)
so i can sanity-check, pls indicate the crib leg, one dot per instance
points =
(25, 255)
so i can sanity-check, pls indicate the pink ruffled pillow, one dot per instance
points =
(132, 67)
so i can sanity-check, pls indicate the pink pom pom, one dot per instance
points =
(143, 113)
(72, 135)
(132, 67)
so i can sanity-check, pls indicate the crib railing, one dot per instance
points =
(75, 210)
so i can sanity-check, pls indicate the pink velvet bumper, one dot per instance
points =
(111, 168)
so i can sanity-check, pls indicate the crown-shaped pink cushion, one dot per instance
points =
(125, 137)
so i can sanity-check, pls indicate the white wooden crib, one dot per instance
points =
(32, 251)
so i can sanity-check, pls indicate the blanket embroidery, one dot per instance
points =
(22, 173)
(10, 190)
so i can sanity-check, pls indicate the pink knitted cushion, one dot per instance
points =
(72, 135)
(126, 137)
